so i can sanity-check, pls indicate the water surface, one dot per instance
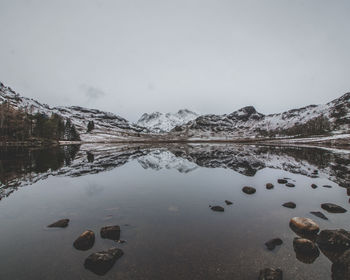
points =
(160, 196)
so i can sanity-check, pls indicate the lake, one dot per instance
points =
(160, 195)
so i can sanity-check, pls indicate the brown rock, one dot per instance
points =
(249, 190)
(110, 232)
(85, 241)
(304, 226)
(101, 262)
(60, 223)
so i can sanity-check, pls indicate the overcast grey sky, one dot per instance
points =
(212, 56)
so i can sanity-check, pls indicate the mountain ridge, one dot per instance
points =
(332, 117)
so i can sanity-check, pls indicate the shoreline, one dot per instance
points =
(316, 142)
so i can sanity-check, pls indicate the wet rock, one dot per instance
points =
(271, 244)
(290, 204)
(269, 186)
(270, 274)
(60, 224)
(348, 191)
(217, 208)
(101, 262)
(228, 202)
(335, 240)
(110, 232)
(249, 190)
(304, 226)
(306, 251)
(282, 181)
(315, 172)
(341, 267)
(314, 186)
(333, 208)
(319, 214)
(327, 186)
(290, 185)
(85, 241)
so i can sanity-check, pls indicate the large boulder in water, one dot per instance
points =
(341, 267)
(85, 241)
(306, 251)
(304, 226)
(101, 262)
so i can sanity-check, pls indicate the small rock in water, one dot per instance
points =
(270, 274)
(291, 205)
(341, 267)
(348, 191)
(333, 208)
(217, 208)
(249, 190)
(271, 244)
(315, 172)
(314, 186)
(101, 262)
(282, 181)
(110, 232)
(60, 223)
(269, 186)
(306, 250)
(304, 226)
(290, 185)
(85, 241)
(228, 202)
(121, 241)
(327, 186)
(319, 214)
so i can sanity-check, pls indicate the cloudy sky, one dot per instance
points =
(211, 56)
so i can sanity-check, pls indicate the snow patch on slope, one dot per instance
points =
(160, 122)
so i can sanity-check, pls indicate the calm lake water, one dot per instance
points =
(160, 197)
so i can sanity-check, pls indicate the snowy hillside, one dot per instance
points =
(108, 126)
(160, 122)
(248, 123)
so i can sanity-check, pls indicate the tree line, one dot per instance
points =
(20, 125)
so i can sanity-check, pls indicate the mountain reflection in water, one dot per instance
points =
(24, 166)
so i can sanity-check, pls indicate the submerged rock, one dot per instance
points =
(269, 186)
(60, 224)
(327, 186)
(335, 240)
(270, 274)
(304, 226)
(217, 208)
(228, 202)
(306, 250)
(290, 185)
(101, 262)
(271, 244)
(341, 267)
(319, 214)
(282, 181)
(110, 232)
(333, 208)
(85, 241)
(249, 190)
(314, 186)
(290, 204)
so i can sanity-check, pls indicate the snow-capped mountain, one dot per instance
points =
(108, 126)
(248, 123)
(160, 122)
